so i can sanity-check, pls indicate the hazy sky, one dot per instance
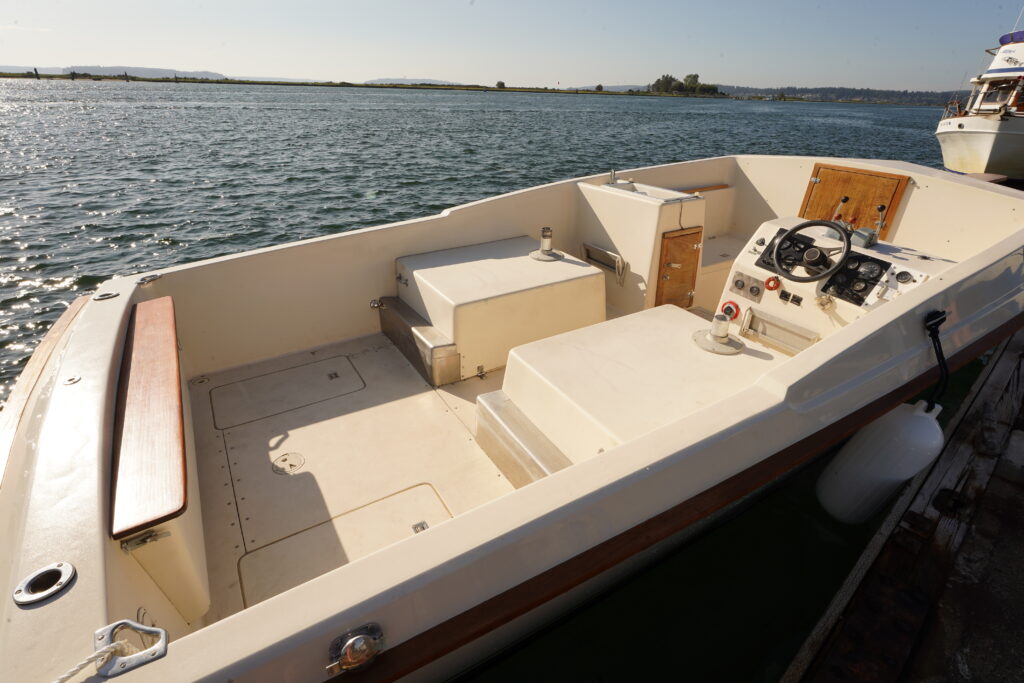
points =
(902, 44)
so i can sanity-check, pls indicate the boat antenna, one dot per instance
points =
(932, 322)
(1017, 23)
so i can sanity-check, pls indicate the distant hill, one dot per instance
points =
(409, 81)
(140, 71)
(53, 70)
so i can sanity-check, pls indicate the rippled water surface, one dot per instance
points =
(105, 178)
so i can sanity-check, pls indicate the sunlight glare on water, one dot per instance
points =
(113, 178)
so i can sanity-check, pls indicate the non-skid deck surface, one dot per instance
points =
(316, 459)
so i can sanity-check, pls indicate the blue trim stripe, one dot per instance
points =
(1000, 71)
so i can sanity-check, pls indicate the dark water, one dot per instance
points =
(104, 178)
(733, 605)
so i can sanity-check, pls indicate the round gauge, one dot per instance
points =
(859, 286)
(871, 270)
(852, 264)
(739, 283)
(903, 277)
(755, 290)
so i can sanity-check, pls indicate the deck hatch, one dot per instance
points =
(277, 392)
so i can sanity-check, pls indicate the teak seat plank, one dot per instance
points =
(703, 188)
(149, 484)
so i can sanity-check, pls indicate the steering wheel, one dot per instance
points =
(816, 260)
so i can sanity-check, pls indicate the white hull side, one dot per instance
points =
(982, 144)
(482, 650)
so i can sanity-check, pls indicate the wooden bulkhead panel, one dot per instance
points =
(866, 190)
(677, 270)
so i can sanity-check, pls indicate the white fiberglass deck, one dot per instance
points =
(312, 460)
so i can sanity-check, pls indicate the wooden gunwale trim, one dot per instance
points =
(464, 628)
(25, 385)
(705, 188)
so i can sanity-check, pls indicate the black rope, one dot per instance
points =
(932, 322)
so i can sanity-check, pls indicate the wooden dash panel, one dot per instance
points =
(677, 270)
(149, 444)
(866, 190)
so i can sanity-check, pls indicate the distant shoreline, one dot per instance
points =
(429, 86)
(346, 84)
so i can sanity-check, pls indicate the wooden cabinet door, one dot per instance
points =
(677, 272)
(866, 190)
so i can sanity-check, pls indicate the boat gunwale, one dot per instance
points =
(30, 378)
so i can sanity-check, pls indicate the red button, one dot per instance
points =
(733, 307)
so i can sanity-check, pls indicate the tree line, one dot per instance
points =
(690, 84)
(840, 94)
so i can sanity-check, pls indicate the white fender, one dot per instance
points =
(878, 460)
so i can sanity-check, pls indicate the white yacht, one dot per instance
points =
(386, 453)
(986, 135)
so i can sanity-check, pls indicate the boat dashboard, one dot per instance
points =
(792, 286)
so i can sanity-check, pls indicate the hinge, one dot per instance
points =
(136, 542)
(699, 245)
(815, 180)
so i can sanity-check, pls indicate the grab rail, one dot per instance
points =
(600, 256)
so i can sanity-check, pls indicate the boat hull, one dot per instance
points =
(983, 144)
(451, 646)
(468, 586)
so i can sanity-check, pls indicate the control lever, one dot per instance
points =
(881, 216)
(839, 209)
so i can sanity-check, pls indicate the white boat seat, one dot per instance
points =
(594, 388)
(487, 298)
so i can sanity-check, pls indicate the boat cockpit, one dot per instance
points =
(386, 381)
(501, 362)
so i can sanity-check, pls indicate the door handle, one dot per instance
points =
(673, 265)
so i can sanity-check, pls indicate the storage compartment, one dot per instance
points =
(590, 390)
(622, 224)
(487, 298)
